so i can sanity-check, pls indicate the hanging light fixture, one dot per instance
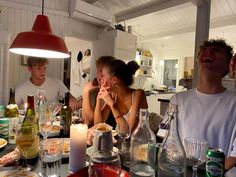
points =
(40, 41)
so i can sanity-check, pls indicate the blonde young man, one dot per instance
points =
(54, 88)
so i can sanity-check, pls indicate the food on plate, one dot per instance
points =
(66, 146)
(2, 142)
(55, 128)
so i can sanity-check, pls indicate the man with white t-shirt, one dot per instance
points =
(54, 88)
(209, 111)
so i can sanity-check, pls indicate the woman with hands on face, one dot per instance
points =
(123, 101)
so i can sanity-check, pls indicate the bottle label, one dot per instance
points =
(13, 122)
(4, 124)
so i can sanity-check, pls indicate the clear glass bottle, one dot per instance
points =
(11, 112)
(143, 148)
(66, 117)
(29, 120)
(41, 104)
(171, 155)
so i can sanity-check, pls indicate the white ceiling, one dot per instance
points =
(171, 23)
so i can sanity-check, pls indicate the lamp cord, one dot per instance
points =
(42, 7)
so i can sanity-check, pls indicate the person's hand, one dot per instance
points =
(232, 66)
(74, 103)
(90, 135)
(105, 94)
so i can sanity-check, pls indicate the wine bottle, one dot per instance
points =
(143, 148)
(66, 117)
(32, 120)
(11, 112)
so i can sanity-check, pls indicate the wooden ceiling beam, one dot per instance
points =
(148, 8)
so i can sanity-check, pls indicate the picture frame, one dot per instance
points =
(24, 60)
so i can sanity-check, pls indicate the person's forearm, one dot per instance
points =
(230, 162)
(87, 111)
(120, 120)
(98, 112)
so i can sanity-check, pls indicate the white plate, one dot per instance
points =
(66, 146)
(14, 174)
(3, 142)
(90, 151)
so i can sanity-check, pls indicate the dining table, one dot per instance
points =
(35, 163)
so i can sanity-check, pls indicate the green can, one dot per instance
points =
(4, 128)
(215, 163)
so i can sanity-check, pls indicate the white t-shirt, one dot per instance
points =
(54, 89)
(208, 116)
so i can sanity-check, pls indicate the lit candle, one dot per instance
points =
(25, 107)
(78, 145)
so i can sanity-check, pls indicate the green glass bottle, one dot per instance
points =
(11, 112)
(29, 120)
(66, 117)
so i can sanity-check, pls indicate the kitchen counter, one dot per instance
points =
(158, 101)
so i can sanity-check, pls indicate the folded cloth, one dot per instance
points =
(9, 158)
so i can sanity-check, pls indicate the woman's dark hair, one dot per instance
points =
(121, 70)
(133, 65)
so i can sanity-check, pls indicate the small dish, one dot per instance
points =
(54, 132)
(90, 150)
(84, 173)
(66, 148)
(14, 173)
(3, 142)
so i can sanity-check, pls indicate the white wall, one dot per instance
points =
(165, 53)
(19, 16)
(77, 82)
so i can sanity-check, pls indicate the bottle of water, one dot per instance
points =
(143, 148)
(171, 155)
(41, 104)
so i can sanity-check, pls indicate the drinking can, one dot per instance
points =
(215, 163)
(2, 111)
(4, 128)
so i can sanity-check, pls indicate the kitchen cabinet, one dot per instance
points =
(121, 44)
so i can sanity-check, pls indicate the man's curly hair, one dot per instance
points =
(219, 43)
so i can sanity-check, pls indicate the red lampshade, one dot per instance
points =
(40, 42)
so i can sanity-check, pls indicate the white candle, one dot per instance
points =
(78, 145)
(25, 106)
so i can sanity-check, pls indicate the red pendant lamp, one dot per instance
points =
(40, 41)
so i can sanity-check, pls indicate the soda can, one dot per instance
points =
(215, 163)
(2, 111)
(4, 128)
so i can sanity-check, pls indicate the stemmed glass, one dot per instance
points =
(25, 138)
(124, 132)
(195, 152)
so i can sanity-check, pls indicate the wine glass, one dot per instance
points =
(104, 163)
(195, 152)
(124, 131)
(46, 122)
(25, 138)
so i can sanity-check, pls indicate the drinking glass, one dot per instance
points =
(195, 152)
(104, 164)
(50, 157)
(25, 137)
(46, 122)
(124, 134)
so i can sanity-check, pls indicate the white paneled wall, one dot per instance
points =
(20, 16)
